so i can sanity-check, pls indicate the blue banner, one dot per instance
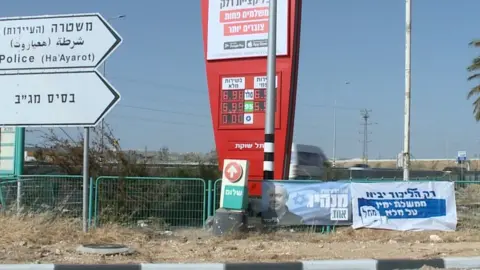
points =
(306, 203)
(415, 208)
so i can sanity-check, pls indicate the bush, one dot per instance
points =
(127, 195)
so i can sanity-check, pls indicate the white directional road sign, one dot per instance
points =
(79, 98)
(56, 42)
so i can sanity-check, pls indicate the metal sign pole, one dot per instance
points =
(268, 162)
(86, 141)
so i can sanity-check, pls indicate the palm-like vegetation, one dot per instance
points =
(474, 69)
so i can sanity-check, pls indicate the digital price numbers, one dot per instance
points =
(242, 100)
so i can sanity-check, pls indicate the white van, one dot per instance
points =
(306, 162)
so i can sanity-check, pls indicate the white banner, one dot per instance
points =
(404, 206)
(239, 29)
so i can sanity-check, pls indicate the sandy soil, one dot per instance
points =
(44, 240)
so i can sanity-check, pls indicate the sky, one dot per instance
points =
(160, 72)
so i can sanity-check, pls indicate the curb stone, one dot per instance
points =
(363, 264)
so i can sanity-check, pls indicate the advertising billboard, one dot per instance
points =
(235, 35)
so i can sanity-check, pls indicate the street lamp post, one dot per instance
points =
(334, 132)
(102, 128)
(334, 154)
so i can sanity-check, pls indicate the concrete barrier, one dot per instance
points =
(363, 264)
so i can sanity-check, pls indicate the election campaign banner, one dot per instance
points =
(404, 206)
(306, 203)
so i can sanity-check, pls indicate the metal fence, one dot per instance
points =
(158, 201)
(165, 202)
(41, 193)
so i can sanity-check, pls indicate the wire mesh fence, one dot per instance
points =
(61, 194)
(165, 202)
(151, 201)
(467, 197)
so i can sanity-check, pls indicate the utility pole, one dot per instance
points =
(334, 152)
(365, 117)
(408, 72)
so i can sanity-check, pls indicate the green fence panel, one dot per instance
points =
(217, 189)
(210, 198)
(4, 180)
(44, 193)
(467, 198)
(150, 201)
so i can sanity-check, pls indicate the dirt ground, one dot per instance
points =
(44, 240)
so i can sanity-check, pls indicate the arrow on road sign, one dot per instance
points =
(56, 42)
(79, 98)
(232, 172)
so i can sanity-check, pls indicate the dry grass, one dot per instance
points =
(468, 205)
(42, 239)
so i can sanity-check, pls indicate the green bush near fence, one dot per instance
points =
(165, 202)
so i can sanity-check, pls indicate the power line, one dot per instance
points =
(205, 91)
(162, 110)
(199, 115)
(329, 106)
(158, 85)
(159, 121)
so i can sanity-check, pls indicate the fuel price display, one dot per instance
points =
(242, 101)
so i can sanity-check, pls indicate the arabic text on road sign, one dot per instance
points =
(55, 42)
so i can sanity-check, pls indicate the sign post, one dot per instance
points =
(269, 145)
(461, 159)
(234, 194)
(49, 78)
(231, 216)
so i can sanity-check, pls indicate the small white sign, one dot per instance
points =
(462, 154)
(400, 160)
(52, 42)
(260, 82)
(55, 99)
(7, 150)
(249, 94)
(235, 173)
(233, 83)
(239, 29)
(248, 118)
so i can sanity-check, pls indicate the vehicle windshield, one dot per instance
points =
(309, 159)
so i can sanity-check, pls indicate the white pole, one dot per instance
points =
(408, 43)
